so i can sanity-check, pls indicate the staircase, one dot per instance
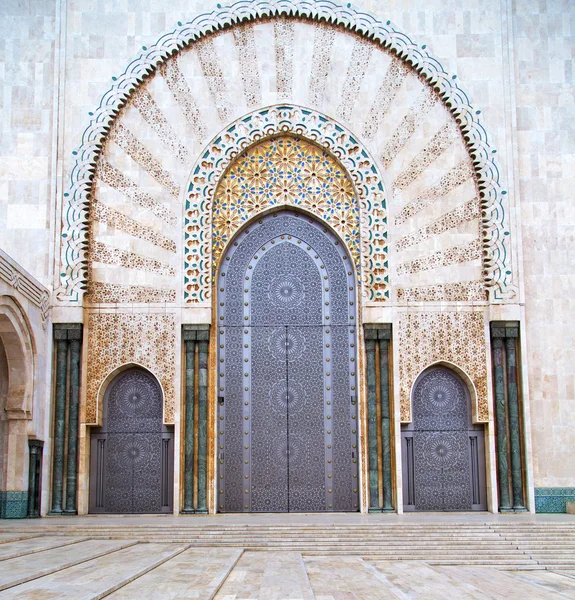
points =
(504, 545)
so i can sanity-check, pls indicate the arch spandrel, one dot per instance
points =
(418, 126)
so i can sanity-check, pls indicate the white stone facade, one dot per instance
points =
(99, 190)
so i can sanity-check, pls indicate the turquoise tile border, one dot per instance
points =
(552, 500)
(13, 505)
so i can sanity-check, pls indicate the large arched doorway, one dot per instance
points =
(131, 454)
(287, 393)
(442, 449)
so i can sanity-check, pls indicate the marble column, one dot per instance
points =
(35, 448)
(203, 337)
(497, 349)
(384, 335)
(74, 337)
(514, 421)
(59, 419)
(370, 342)
(190, 350)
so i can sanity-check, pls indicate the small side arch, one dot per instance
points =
(110, 378)
(464, 376)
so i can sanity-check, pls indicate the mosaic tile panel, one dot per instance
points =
(553, 500)
(13, 505)
(140, 154)
(442, 258)
(461, 214)
(115, 179)
(408, 125)
(438, 144)
(359, 61)
(321, 59)
(178, 85)
(246, 44)
(115, 293)
(456, 176)
(470, 291)
(454, 337)
(280, 171)
(109, 255)
(284, 38)
(301, 123)
(214, 76)
(153, 115)
(391, 83)
(105, 214)
(115, 340)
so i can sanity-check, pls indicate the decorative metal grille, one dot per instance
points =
(287, 412)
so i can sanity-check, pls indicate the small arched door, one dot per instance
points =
(442, 450)
(131, 455)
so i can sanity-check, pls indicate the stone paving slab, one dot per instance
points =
(191, 574)
(559, 582)
(20, 570)
(97, 578)
(36, 544)
(269, 575)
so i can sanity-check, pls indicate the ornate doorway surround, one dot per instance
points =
(131, 466)
(287, 391)
(443, 451)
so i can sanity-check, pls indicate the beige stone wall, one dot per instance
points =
(544, 37)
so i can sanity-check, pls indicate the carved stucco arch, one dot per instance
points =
(465, 377)
(497, 273)
(109, 378)
(247, 133)
(19, 349)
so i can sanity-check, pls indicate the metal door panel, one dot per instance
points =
(305, 406)
(444, 464)
(130, 463)
(268, 417)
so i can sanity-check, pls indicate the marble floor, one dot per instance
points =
(54, 558)
(77, 569)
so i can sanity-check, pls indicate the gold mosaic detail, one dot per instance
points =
(285, 171)
(454, 337)
(115, 340)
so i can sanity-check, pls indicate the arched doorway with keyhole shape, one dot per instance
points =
(131, 454)
(443, 451)
(287, 382)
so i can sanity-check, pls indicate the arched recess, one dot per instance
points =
(19, 350)
(131, 453)
(443, 450)
(287, 370)
(454, 131)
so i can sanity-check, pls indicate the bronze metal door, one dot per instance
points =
(131, 455)
(287, 410)
(443, 451)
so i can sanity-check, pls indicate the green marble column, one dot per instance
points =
(203, 337)
(514, 424)
(190, 349)
(370, 342)
(59, 419)
(497, 349)
(35, 448)
(74, 335)
(384, 340)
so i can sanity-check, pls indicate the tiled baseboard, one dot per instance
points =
(13, 505)
(553, 500)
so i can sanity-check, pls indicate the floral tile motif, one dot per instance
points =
(285, 171)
